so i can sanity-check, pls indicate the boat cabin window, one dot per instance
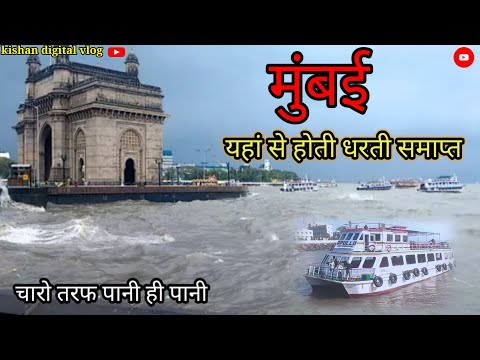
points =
(438, 256)
(397, 260)
(405, 238)
(349, 236)
(421, 258)
(355, 237)
(361, 237)
(343, 236)
(397, 237)
(410, 259)
(430, 257)
(356, 262)
(445, 255)
(368, 263)
(389, 237)
(378, 237)
(384, 262)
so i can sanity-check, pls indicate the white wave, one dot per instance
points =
(246, 218)
(198, 257)
(465, 282)
(273, 237)
(26, 207)
(24, 235)
(80, 231)
(167, 238)
(5, 199)
(356, 197)
(3, 229)
(148, 239)
(47, 234)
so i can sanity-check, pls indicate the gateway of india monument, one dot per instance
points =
(90, 124)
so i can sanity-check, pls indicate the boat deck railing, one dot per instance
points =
(391, 246)
(367, 226)
(428, 245)
(352, 275)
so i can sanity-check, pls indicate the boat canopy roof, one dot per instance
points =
(372, 226)
(381, 227)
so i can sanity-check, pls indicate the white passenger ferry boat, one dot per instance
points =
(380, 184)
(371, 259)
(299, 185)
(405, 183)
(448, 183)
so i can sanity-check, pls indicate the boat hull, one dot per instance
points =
(296, 190)
(376, 188)
(324, 288)
(368, 288)
(371, 290)
(441, 191)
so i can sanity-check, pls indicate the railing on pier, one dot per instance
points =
(143, 189)
(325, 272)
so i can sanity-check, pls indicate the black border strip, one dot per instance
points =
(242, 24)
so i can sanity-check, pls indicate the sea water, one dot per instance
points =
(244, 248)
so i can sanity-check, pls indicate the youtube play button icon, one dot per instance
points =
(116, 51)
(463, 57)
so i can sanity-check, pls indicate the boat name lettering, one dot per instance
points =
(346, 243)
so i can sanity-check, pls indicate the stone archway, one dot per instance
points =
(131, 162)
(80, 156)
(81, 170)
(129, 172)
(45, 156)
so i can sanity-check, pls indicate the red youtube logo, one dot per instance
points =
(116, 51)
(463, 57)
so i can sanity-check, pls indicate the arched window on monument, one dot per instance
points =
(80, 142)
(130, 140)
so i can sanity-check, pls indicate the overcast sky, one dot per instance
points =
(217, 91)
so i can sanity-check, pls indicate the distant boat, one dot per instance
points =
(446, 183)
(405, 183)
(380, 184)
(299, 185)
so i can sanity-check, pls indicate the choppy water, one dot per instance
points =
(242, 247)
